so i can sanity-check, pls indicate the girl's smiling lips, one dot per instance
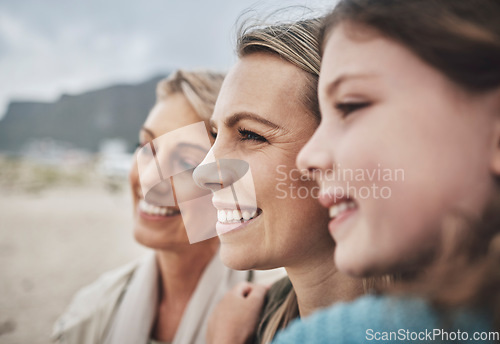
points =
(340, 208)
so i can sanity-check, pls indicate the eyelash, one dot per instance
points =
(348, 108)
(244, 133)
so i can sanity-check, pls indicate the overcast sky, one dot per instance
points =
(49, 47)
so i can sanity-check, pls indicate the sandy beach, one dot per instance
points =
(53, 241)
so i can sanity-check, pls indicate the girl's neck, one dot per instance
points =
(318, 284)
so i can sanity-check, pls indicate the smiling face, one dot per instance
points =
(383, 109)
(162, 227)
(259, 118)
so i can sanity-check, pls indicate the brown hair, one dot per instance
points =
(200, 88)
(461, 39)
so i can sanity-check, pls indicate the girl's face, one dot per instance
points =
(399, 147)
(259, 118)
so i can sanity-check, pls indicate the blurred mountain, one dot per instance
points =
(83, 121)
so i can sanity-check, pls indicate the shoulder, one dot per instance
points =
(371, 317)
(95, 301)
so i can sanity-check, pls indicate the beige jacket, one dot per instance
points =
(120, 307)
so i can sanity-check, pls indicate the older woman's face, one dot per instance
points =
(259, 118)
(156, 226)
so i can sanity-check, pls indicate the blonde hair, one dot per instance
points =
(283, 315)
(297, 43)
(200, 88)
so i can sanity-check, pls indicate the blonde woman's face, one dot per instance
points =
(259, 118)
(420, 149)
(163, 227)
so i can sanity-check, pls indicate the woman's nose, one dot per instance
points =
(215, 174)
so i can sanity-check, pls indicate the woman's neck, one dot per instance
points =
(318, 284)
(181, 269)
(180, 273)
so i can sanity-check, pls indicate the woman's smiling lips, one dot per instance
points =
(152, 212)
(231, 216)
(340, 209)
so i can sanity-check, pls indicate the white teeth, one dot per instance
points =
(336, 209)
(234, 216)
(155, 210)
(221, 216)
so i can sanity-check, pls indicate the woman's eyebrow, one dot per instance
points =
(235, 118)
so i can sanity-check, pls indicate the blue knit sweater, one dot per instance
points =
(383, 319)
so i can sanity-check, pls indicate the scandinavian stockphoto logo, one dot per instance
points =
(179, 175)
(338, 181)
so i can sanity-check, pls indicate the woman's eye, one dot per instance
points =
(141, 145)
(187, 165)
(247, 135)
(214, 134)
(348, 107)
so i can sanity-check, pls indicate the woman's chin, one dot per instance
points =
(236, 260)
(159, 239)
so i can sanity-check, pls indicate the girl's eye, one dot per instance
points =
(247, 135)
(348, 107)
(213, 133)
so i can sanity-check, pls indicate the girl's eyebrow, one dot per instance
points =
(334, 85)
